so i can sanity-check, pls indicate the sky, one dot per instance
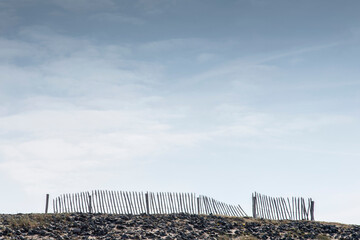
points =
(219, 98)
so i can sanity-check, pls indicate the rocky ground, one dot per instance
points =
(175, 226)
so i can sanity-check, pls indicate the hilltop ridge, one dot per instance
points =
(172, 226)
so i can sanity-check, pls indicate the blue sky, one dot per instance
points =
(221, 98)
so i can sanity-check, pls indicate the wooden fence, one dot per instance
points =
(120, 202)
(279, 208)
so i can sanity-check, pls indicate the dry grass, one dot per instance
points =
(29, 221)
(323, 237)
(248, 237)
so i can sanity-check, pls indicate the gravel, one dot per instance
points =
(172, 226)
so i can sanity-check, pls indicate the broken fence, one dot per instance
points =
(279, 208)
(120, 202)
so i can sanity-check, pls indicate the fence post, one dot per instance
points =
(90, 207)
(254, 205)
(47, 203)
(312, 210)
(198, 204)
(147, 202)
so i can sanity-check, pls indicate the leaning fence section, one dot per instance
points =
(206, 205)
(122, 202)
(279, 208)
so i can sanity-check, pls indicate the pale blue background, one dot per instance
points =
(221, 98)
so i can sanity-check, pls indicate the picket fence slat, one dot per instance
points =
(278, 208)
(123, 202)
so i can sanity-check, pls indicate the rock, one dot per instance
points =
(172, 226)
(76, 231)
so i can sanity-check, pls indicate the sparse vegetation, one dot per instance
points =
(323, 237)
(248, 238)
(175, 226)
(227, 237)
(28, 221)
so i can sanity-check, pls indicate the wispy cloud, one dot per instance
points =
(300, 51)
(8, 18)
(116, 18)
(85, 5)
(82, 107)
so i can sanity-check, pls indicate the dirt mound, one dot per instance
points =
(173, 226)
